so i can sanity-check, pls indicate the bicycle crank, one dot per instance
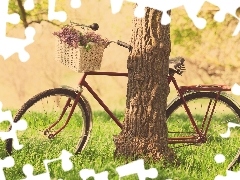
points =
(49, 134)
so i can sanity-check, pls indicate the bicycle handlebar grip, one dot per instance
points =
(94, 26)
(120, 43)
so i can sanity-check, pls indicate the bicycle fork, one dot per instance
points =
(67, 105)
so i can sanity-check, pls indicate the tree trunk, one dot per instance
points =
(145, 129)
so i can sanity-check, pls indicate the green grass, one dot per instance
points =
(197, 162)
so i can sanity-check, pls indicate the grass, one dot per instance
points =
(197, 162)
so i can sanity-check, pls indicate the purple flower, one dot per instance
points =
(74, 38)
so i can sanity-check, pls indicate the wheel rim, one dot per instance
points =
(227, 147)
(42, 115)
(179, 121)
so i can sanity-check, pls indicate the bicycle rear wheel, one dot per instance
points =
(41, 112)
(225, 111)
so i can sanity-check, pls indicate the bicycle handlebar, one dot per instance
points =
(93, 26)
(123, 44)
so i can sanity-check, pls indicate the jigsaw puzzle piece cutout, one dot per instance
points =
(29, 5)
(230, 175)
(227, 7)
(192, 8)
(87, 173)
(139, 11)
(163, 6)
(53, 15)
(28, 172)
(228, 132)
(160, 5)
(237, 29)
(13, 18)
(21, 125)
(9, 46)
(66, 162)
(5, 163)
(219, 158)
(5, 17)
(5, 115)
(116, 6)
(137, 167)
(235, 89)
(76, 4)
(66, 166)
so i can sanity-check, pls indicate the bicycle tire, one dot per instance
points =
(178, 102)
(63, 92)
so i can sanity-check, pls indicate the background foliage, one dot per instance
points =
(212, 54)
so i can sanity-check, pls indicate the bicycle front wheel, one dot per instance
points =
(42, 111)
(225, 111)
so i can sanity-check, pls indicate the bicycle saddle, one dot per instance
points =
(176, 65)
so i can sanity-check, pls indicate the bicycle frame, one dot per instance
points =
(201, 134)
(182, 90)
(84, 83)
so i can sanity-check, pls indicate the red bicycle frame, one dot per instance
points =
(201, 136)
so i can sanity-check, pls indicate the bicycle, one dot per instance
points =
(80, 114)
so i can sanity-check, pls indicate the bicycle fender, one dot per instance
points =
(71, 88)
(188, 93)
(177, 98)
(230, 98)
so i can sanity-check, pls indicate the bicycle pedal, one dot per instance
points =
(46, 132)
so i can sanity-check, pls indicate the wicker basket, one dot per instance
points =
(79, 59)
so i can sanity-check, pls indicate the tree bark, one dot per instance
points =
(145, 130)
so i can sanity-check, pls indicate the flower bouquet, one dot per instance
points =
(79, 51)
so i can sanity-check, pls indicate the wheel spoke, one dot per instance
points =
(198, 103)
(42, 114)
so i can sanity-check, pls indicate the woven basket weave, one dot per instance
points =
(79, 59)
